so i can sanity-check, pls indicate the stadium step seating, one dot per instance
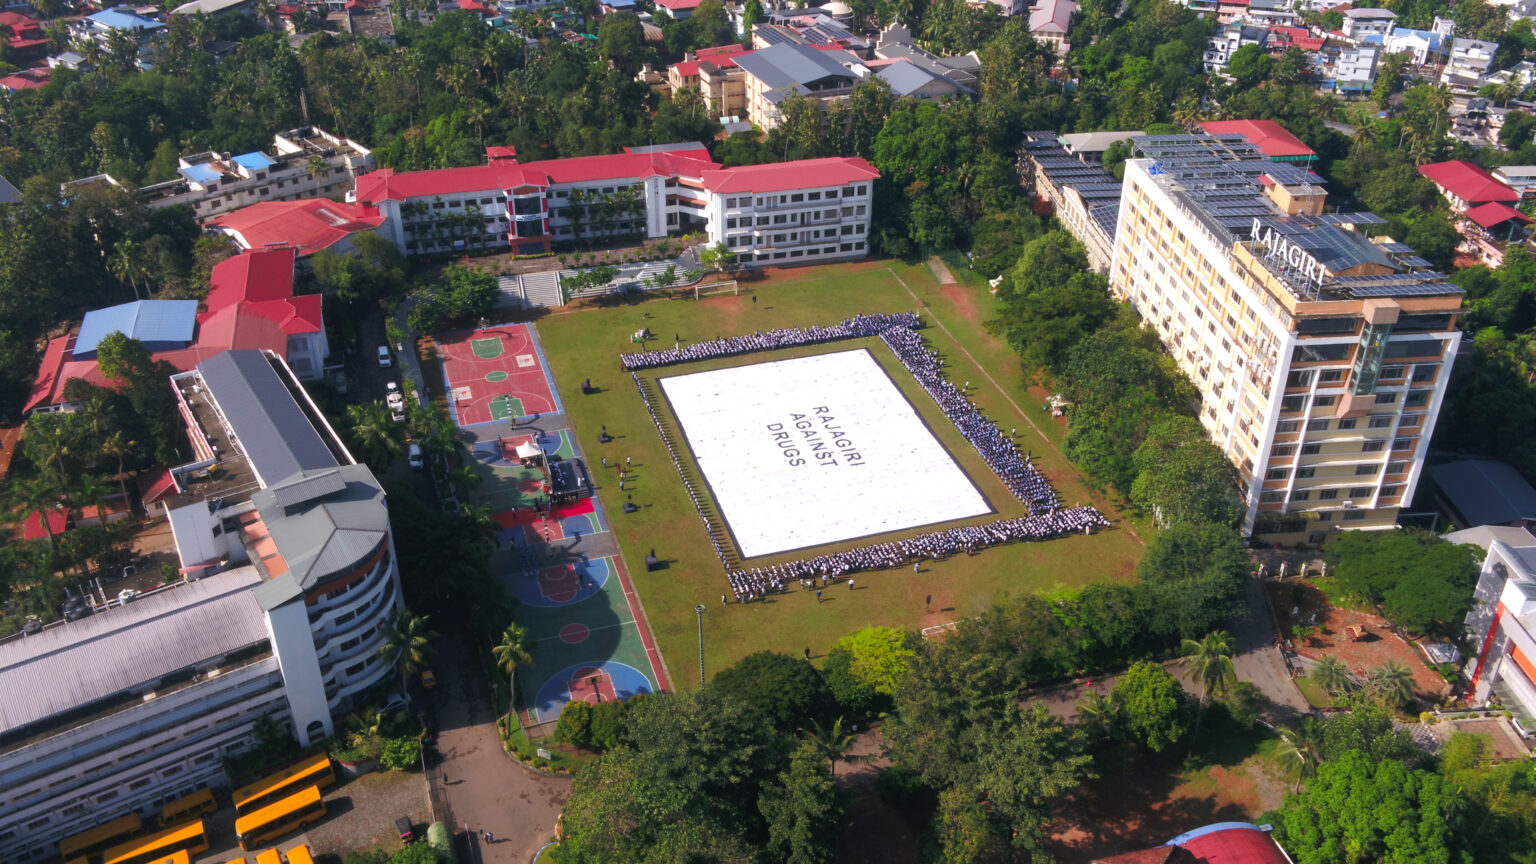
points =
(512, 292)
(542, 290)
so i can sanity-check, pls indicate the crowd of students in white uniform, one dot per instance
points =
(1015, 469)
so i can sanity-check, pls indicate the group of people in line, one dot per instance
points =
(693, 495)
(1015, 469)
(788, 337)
(1046, 520)
(823, 570)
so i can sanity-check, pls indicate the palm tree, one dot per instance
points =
(1332, 675)
(48, 8)
(317, 167)
(512, 652)
(1099, 713)
(407, 642)
(1303, 744)
(832, 742)
(1391, 683)
(40, 494)
(464, 479)
(124, 264)
(376, 437)
(1209, 661)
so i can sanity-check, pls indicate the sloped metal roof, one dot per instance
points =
(153, 322)
(324, 535)
(268, 424)
(80, 662)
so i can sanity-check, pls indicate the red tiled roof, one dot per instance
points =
(494, 154)
(1267, 135)
(386, 185)
(33, 529)
(261, 283)
(251, 305)
(311, 225)
(474, 6)
(1155, 855)
(163, 487)
(1309, 43)
(678, 5)
(624, 166)
(1468, 182)
(1245, 845)
(1493, 213)
(724, 57)
(26, 79)
(783, 176)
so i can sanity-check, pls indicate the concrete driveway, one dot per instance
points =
(486, 789)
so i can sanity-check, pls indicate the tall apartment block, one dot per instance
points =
(1321, 355)
(289, 568)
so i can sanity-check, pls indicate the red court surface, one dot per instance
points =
(592, 685)
(494, 374)
(559, 583)
(529, 516)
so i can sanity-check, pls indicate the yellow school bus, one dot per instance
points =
(86, 845)
(314, 771)
(190, 839)
(274, 820)
(199, 803)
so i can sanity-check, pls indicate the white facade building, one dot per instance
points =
(809, 211)
(1360, 23)
(304, 163)
(125, 707)
(1502, 629)
(1468, 64)
(1321, 357)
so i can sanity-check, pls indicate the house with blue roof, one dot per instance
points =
(1423, 47)
(162, 325)
(118, 19)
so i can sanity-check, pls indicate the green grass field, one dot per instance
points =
(585, 343)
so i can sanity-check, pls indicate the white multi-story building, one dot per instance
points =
(1355, 69)
(1468, 64)
(121, 708)
(812, 210)
(1227, 39)
(643, 193)
(304, 163)
(1360, 23)
(1321, 357)
(1502, 626)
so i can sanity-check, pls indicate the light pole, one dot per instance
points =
(699, 610)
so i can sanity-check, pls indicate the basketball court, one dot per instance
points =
(586, 644)
(495, 373)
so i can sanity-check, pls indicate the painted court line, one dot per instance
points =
(590, 629)
(658, 670)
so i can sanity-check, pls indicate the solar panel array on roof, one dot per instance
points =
(774, 36)
(1360, 217)
(1395, 246)
(1107, 218)
(1414, 262)
(1290, 174)
(278, 439)
(1404, 290)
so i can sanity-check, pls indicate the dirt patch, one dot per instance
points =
(1378, 644)
(940, 271)
(1503, 743)
(873, 832)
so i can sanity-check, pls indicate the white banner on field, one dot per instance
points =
(815, 450)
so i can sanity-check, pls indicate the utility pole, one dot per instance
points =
(699, 610)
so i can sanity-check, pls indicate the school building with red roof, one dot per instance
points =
(251, 305)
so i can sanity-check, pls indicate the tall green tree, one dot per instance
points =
(1182, 477)
(787, 691)
(1209, 661)
(1357, 809)
(512, 653)
(804, 810)
(1152, 704)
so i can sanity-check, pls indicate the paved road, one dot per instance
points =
(1258, 659)
(486, 789)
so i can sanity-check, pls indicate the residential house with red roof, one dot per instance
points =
(26, 41)
(1485, 208)
(677, 10)
(251, 305)
(1270, 137)
(26, 79)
